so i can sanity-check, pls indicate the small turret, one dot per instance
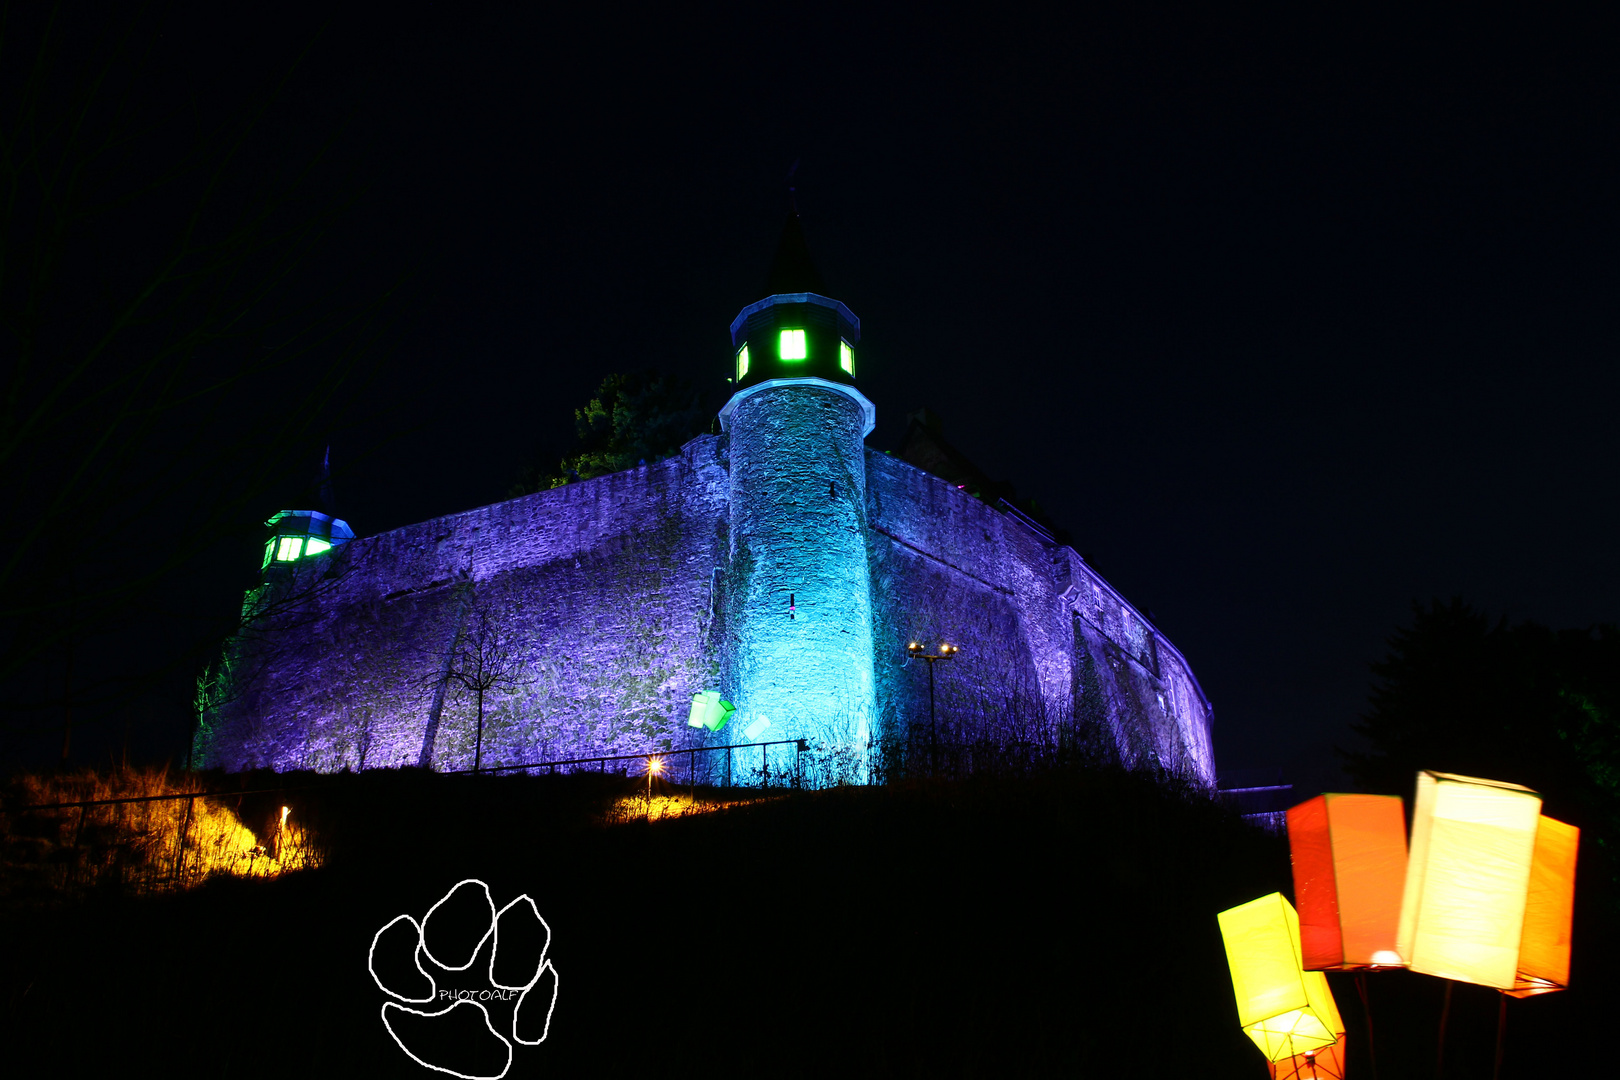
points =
(796, 332)
(299, 534)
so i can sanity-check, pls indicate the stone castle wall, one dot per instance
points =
(1048, 647)
(610, 594)
(604, 588)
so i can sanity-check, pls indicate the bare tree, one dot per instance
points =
(158, 381)
(487, 658)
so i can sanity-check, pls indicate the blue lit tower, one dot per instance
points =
(798, 656)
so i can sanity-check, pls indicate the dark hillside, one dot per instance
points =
(1057, 925)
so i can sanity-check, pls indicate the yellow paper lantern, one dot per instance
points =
(1548, 911)
(1285, 1009)
(1468, 878)
(1324, 1064)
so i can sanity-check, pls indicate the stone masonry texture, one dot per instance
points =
(611, 601)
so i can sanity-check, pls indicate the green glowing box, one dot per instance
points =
(708, 711)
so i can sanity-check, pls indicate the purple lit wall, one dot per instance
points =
(615, 595)
(1048, 647)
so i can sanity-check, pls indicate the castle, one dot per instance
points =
(782, 566)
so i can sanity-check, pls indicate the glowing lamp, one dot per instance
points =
(1349, 856)
(1468, 878)
(1548, 911)
(708, 711)
(1324, 1064)
(1285, 1009)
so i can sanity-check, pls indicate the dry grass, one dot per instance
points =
(679, 804)
(134, 847)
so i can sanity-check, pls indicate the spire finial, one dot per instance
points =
(792, 271)
(328, 504)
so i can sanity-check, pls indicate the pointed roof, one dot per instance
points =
(791, 270)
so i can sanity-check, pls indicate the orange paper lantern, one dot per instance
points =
(1548, 911)
(1349, 856)
(1324, 1064)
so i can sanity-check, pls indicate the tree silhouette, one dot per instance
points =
(486, 658)
(1518, 702)
(638, 418)
(161, 382)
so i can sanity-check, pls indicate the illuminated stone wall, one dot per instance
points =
(622, 596)
(1048, 649)
(605, 588)
(798, 656)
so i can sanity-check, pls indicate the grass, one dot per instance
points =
(132, 848)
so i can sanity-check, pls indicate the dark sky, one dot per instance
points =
(1289, 317)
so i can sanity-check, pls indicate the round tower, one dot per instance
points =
(798, 660)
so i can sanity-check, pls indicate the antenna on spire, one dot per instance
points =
(792, 198)
(326, 482)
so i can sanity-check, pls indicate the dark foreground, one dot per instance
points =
(1057, 925)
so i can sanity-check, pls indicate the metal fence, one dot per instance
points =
(147, 843)
(157, 842)
(736, 765)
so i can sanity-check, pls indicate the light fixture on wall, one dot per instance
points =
(916, 651)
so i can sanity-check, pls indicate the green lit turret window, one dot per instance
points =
(293, 548)
(846, 357)
(791, 345)
(303, 534)
(742, 363)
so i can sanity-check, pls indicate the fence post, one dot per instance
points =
(185, 829)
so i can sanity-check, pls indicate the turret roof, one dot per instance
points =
(791, 270)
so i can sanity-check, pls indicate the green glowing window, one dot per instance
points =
(791, 345)
(314, 546)
(288, 551)
(846, 357)
(742, 363)
(269, 553)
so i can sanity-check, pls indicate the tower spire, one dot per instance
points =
(792, 271)
(324, 484)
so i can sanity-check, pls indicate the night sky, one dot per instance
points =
(1288, 317)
